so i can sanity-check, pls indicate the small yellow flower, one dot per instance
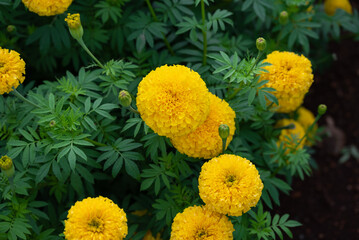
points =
(96, 219)
(230, 184)
(47, 7)
(7, 166)
(306, 119)
(291, 75)
(73, 20)
(205, 142)
(5, 162)
(75, 27)
(201, 223)
(173, 100)
(331, 6)
(290, 137)
(12, 70)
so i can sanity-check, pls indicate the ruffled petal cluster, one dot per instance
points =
(291, 75)
(12, 70)
(173, 100)
(201, 223)
(331, 6)
(96, 219)
(47, 7)
(290, 137)
(306, 119)
(205, 141)
(149, 236)
(230, 184)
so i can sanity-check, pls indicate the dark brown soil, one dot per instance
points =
(327, 203)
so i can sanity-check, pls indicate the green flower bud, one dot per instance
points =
(75, 27)
(261, 44)
(322, 108)
(283, 17)
(11, 28)
(125, 98)
(223, 131)
(52, 123)
(6, 166)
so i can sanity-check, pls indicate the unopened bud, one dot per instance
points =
(322, 108)
(52, 123)
(6, 166)
(11, 28)
(261, 44)
(125, 98)
(283, 17)
(75, 27)
(223, 131)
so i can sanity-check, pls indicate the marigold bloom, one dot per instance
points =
(230, 184)
(47, 7)
(5, 162)
(306, 119)
(12, 70)
(73, 20)
(205, 141)
(290, 137)
(173, 100)
(291, 75)
(96, 219)
(331, 6)
(199, 222)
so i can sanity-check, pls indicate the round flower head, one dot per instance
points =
(290, 136)
(306, 119)
(12, 70)
(291, 75)
(331, 6)
(47, 7)
(201, 223)
(173, 100)
(230, 184)
(96, 219)
(205, 141)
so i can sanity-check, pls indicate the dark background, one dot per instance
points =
(327, 203)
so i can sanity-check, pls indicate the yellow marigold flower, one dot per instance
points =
(306, 118)
(290, 137)
(205, 141)
(331, 6)
(230, 184)
(173, 100)
(47, 7)
(12, 70)
(291, 75)
(5, 162)
(96, 219)
(201, 223)
(73, 20)
(149, 236)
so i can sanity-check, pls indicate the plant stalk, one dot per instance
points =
(204, 32)
(83, 45)
(17, 94)
(154, 16)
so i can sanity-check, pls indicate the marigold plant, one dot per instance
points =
(47, 7)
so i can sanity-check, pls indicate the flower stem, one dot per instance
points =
(95, 143)
(308, 130)
(168, 45)
(204, 32)
(224, 141)
(17, 94)
(83, 45)
(133, 110)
